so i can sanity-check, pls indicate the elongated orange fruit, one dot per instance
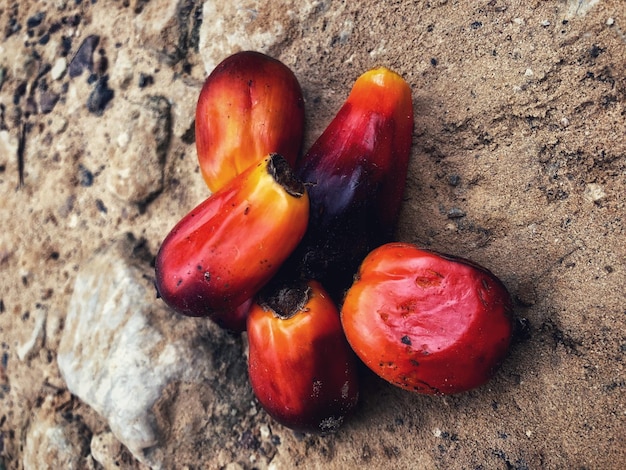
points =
(300, 365)
(221, 253)
(250, 105)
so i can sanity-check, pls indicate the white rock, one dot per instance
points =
(122, 72)
(53, 442)
(8, 145)
(229, 27)
(59, 68)
(135, 170)
(58, 125)
(123, 139)
(155, 19)
(34, 343)
(108, 451)
(579, 7)
(121, 346)
(594, 192)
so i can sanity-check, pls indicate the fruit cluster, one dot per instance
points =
(298, 251)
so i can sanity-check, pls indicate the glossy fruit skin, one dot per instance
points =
(355, 173)
(426, 322)
(234, 320)
(250, 105)
(221, 253)
(301, 368)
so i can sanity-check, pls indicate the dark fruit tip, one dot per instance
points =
(282, 173)
(286, 300)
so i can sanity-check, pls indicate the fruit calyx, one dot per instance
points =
(287, 299)
(279, 169)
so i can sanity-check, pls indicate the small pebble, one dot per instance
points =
(594, 193)
(43, 40)
(145, 80)
(73, 20)
(265, 431)
(455, 213)
(58, 125)
(85, 177)
(100, 96)
(12, 27)
(610, 21)
(529, 73)
(545, 23)
(35, 20)
(34, 343)
(54, 27)
(101, 207)
(47, 101)
(19, 92)
(66, 45)
(123, 139)
(84, 57)
(58, 69)
(31, 106)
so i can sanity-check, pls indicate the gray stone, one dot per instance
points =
(138, 154)
(110, 453)
(58, 69)
(55, 442)
(123, 351)
(168, 28)
(228, 27)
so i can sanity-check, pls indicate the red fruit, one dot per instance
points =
(301, 368)
(221, 253)
(355, 175)
(249, 106)
(426, 322)
(234, 320)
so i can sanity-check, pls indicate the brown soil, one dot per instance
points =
(518, 163)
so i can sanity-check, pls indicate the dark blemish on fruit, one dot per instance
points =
(388, 364)
(406, 340)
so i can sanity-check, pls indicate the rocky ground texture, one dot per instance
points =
(518, 162)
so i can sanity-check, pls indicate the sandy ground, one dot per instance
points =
(519, 163)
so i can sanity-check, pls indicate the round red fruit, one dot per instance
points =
(427, 322)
